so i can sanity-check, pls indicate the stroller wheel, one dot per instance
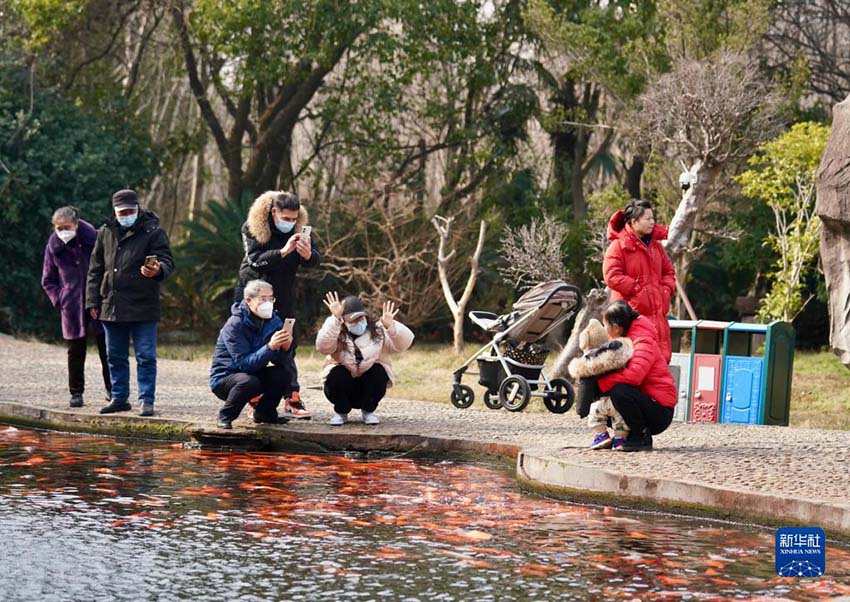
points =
(462, 396)
(560, 399)
(492, 401)
(514, 393)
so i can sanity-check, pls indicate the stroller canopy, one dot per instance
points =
(541, 309)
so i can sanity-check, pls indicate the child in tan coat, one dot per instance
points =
(601, 356)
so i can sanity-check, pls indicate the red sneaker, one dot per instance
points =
(294, 408)
(252, 405)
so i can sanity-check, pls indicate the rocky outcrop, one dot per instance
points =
(833, 208)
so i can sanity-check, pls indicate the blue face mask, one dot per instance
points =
(357, 328)
(127, 221)
(285, 227)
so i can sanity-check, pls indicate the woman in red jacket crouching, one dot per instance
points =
(643, 392)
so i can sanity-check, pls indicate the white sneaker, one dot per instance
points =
(370, 417)
(338, 419)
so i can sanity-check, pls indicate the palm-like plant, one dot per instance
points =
(208, 258)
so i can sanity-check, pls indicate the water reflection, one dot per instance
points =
(86, 518)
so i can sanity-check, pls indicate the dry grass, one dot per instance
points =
(425, 372)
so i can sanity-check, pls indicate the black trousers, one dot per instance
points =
(272, 382)
(588, 392)
(639, 410)
(77, 363)
(363, 392)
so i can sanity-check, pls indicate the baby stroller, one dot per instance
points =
(510, 366)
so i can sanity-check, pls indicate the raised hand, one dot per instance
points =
(389, 314)
(333, 304)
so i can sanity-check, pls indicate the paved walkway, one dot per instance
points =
(772, 473)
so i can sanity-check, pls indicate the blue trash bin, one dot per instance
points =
(758, 366)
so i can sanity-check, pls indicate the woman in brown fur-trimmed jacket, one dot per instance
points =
(274, 250)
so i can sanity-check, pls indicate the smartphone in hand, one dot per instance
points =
(288, 325)
(305, 231)
(151, 261)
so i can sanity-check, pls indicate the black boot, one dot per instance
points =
(116, 406)
(270, 419)
(638, 442)
(76, 400)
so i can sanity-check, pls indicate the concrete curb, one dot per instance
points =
(536, 472)
(109, 424)
(555, 475)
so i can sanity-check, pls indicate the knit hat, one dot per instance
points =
(352, 309)
(125, 199)
(593, 335)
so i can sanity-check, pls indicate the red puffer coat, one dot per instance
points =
(640, 274)
(647, 370)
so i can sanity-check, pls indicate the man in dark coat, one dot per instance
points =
(251, 339)
(131, 258)
(63, 278)
(275, 249)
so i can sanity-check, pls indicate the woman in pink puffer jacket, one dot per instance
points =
(358, 368)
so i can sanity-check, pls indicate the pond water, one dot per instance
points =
(90, 518)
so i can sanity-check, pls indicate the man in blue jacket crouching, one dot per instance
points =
(251, 339)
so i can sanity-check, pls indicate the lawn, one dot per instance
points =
(820, 390)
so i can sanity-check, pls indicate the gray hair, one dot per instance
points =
(253, 288)
(69, 214)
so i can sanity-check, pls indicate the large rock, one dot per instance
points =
(833, 208)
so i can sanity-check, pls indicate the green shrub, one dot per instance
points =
(53, 154)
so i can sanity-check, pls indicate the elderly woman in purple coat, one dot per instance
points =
(66, 266)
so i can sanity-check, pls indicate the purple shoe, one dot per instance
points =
(601, 441)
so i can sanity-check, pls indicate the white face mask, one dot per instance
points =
(66, 236)
(265, 310)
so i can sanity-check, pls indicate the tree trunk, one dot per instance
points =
(458, 308)
(692, 204)
(571, 143)
(634, 174)
(457, 334)
(833, 208)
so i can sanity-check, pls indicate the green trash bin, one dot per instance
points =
(681, 338)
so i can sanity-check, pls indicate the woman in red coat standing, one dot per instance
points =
(643, 392)
(637, 269)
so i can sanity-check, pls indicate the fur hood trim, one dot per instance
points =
(259, 217)
(607, 358)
